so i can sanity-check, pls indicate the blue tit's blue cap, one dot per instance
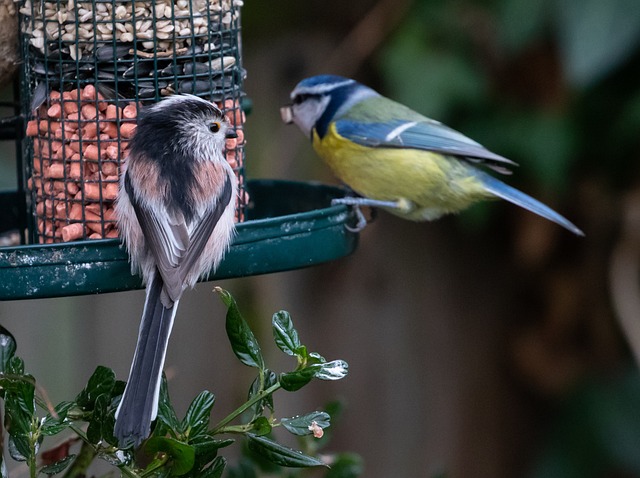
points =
(324, 80)
(322, 83)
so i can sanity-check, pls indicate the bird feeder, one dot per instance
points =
(88, 68)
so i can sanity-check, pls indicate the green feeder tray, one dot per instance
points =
(289, 225)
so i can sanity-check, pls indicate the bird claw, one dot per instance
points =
(355, 204)
(362, 221)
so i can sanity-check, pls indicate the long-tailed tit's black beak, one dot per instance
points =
(231, 133)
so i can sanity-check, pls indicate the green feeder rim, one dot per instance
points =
(290, 225)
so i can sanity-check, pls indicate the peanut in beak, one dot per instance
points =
(286, 113)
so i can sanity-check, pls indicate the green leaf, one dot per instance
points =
(19, 405)
(301, 352)
(206, 449)
(166, 413)
(280, 454)
(285, 335)
(108, 424)
(293, 381)
(215, 469)
(204, 443)
(300, 425)
(98, 416)
(334, 370)
(198, 415)
(53, 425)
(269, 379)
(118, 390)
(19, 448)
(7, 348)
(20, 393)
(243, 342)
(260, 426)
(58, 466)
(315, 358)
(182, 455)
(15, 366)
(101, 382)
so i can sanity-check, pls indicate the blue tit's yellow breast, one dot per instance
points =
(434, 183)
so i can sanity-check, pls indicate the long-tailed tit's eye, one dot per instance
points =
(214, 127)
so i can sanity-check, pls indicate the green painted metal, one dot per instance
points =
(289, 225)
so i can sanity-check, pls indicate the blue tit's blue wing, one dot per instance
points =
(424, 134)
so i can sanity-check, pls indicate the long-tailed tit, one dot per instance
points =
(175, 212)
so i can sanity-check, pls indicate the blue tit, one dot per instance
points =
(395, 158)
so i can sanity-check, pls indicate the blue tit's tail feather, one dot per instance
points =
(139, 404)
(504, 191)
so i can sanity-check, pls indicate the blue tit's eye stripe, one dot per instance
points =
(301, 97)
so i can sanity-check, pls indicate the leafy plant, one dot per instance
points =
(187, 447)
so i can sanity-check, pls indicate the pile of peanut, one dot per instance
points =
(159, 25)
(79, 143)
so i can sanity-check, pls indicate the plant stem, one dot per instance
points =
(78, 431)
(159, 463)
(33, 470)
(80, 465)
(126, 470)
(242, 408)
(33, 446)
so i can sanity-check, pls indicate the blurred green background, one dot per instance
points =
(490, 344)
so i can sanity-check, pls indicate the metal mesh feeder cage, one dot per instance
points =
(89, 67)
